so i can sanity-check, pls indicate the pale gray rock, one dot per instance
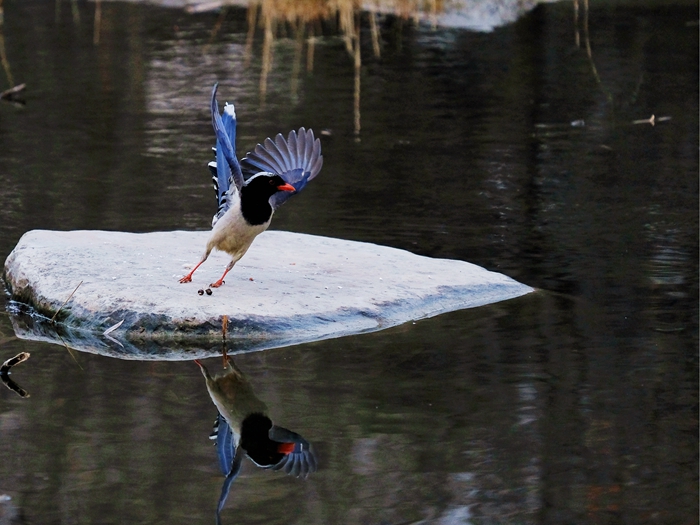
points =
(289, 288)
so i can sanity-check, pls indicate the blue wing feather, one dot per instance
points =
(297, 159)
(302, 460)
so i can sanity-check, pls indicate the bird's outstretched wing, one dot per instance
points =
(226, 171)
(301, 459)
(297, 159)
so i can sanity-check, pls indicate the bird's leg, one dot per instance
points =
(224, 329)
(224, 356)
(221, 281)
(188, 278)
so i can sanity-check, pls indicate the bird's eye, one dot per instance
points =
(272, 182)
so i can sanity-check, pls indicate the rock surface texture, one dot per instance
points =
(289, 288)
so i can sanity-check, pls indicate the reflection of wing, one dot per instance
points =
(230, 459)
(297, 159)
(300, 459)
(225, 442)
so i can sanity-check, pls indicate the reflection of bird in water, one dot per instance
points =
(243, 428)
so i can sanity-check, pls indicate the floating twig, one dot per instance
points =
(651, 120)
(114, 340)
(9, 383)
(8, 93)
(112, 328)
(5, 370)
(13, 361)
(64, 303)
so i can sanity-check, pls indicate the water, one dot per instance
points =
(576, 404)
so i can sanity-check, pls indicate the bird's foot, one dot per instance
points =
(217, 283)
(186, 279)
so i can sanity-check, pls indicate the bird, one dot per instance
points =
(266, 444)
(243, 427)
(246, 205)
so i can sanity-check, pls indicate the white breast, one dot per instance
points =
(232, 234)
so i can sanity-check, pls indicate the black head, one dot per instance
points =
(255, 196)
(267, 184)
(255, 440)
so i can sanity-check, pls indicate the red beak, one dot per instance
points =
(286, 187)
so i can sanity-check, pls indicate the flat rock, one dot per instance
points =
(289, 288)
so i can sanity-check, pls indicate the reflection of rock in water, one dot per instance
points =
(243, 427)
(30, 325)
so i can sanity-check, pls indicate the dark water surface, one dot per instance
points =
(576, 404)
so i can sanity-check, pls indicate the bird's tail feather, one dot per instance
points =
(226, 170)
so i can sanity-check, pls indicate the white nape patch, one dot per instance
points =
(230, 109)
(260, 174)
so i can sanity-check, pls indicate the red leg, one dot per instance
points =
(188, 278)
(224, 329)
(220, 281)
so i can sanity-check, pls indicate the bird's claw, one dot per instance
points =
(186, 279)
(217, 283)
